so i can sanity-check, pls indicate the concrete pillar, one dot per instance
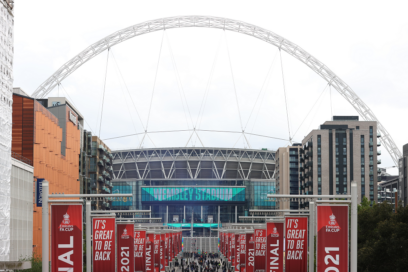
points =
(353, 259)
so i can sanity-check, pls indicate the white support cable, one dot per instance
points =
(124, 96)
(310, 110)
(226, 24)
(263, 88)
(154, 83)
(124, 82)
(104, 89)
(72, 101)
(233, 80)
(179, 84)
(284, 91)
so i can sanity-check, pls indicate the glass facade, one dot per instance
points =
(199, 203)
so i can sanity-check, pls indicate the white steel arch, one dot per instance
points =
(226, 24)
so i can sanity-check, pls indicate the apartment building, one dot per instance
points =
(287, 174)
(339, 152)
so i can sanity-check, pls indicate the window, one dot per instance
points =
(344, 160)
(319, 160)
(319, 139)
(362, 170)
(344, 170)
(337, 141)
(345, 190)
(371, 130)
(344, 151)
(362, 150)
(362, 139)
(337, 189)
(337, 160)
(319, 150)
(93, 148)
(362, 179)
(337, 151)
(357, 127)
(337, 170)
(344, 141)
(319, 170)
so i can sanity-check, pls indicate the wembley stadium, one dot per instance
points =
(195, 187)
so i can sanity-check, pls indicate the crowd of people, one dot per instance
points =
(194, 262)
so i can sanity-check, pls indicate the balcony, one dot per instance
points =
(378, 134)
(100, 163)
(378, 171)
(371, 173)
(378, 143)
(371, 153)
(379, 162)
(371, 163)
(309, 164)
(309, 153)
(101, 179)
(101, 148)
(378, 152)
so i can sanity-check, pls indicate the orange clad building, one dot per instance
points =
(38, 136)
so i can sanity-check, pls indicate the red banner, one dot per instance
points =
(242, 252)
(274, 247)
(332, 238)
(233, 249)
(162, 248)
(237, 252)
(222, 242)
(150, 252)
(103, 244)
(140, 246)
(260, 248)
(250, 254)
(296, 244)
(66, 238)
(156, 252)
(125, 243)
(228, 245)
(166, 250)
(170, 246)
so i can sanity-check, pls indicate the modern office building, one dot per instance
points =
(6, 102)
(202, 186)
(341, 151)
(403, 176)
(287, 174)
(52, 144)
(387, 189)
(101, 172)
(84, 162)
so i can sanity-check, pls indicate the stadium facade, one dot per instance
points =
(199, 186)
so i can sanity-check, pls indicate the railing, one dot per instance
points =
(21, 158)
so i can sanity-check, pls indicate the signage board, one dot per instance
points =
(242, 251)
(296, 244)
(250, 253)
(66, 237)
(149, 252)
(237, 252)
(38, 192)
(260, 249)
(274, 246)
(104, 233)
(162, 249)
(156, 252)
(332, 238)
(125, 244)
(140, 247)
(232, 194)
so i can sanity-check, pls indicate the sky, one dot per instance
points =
(208, 79)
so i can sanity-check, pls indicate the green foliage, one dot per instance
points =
(382, 238)
(36, 264)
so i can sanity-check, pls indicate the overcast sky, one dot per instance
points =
(364, 42)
